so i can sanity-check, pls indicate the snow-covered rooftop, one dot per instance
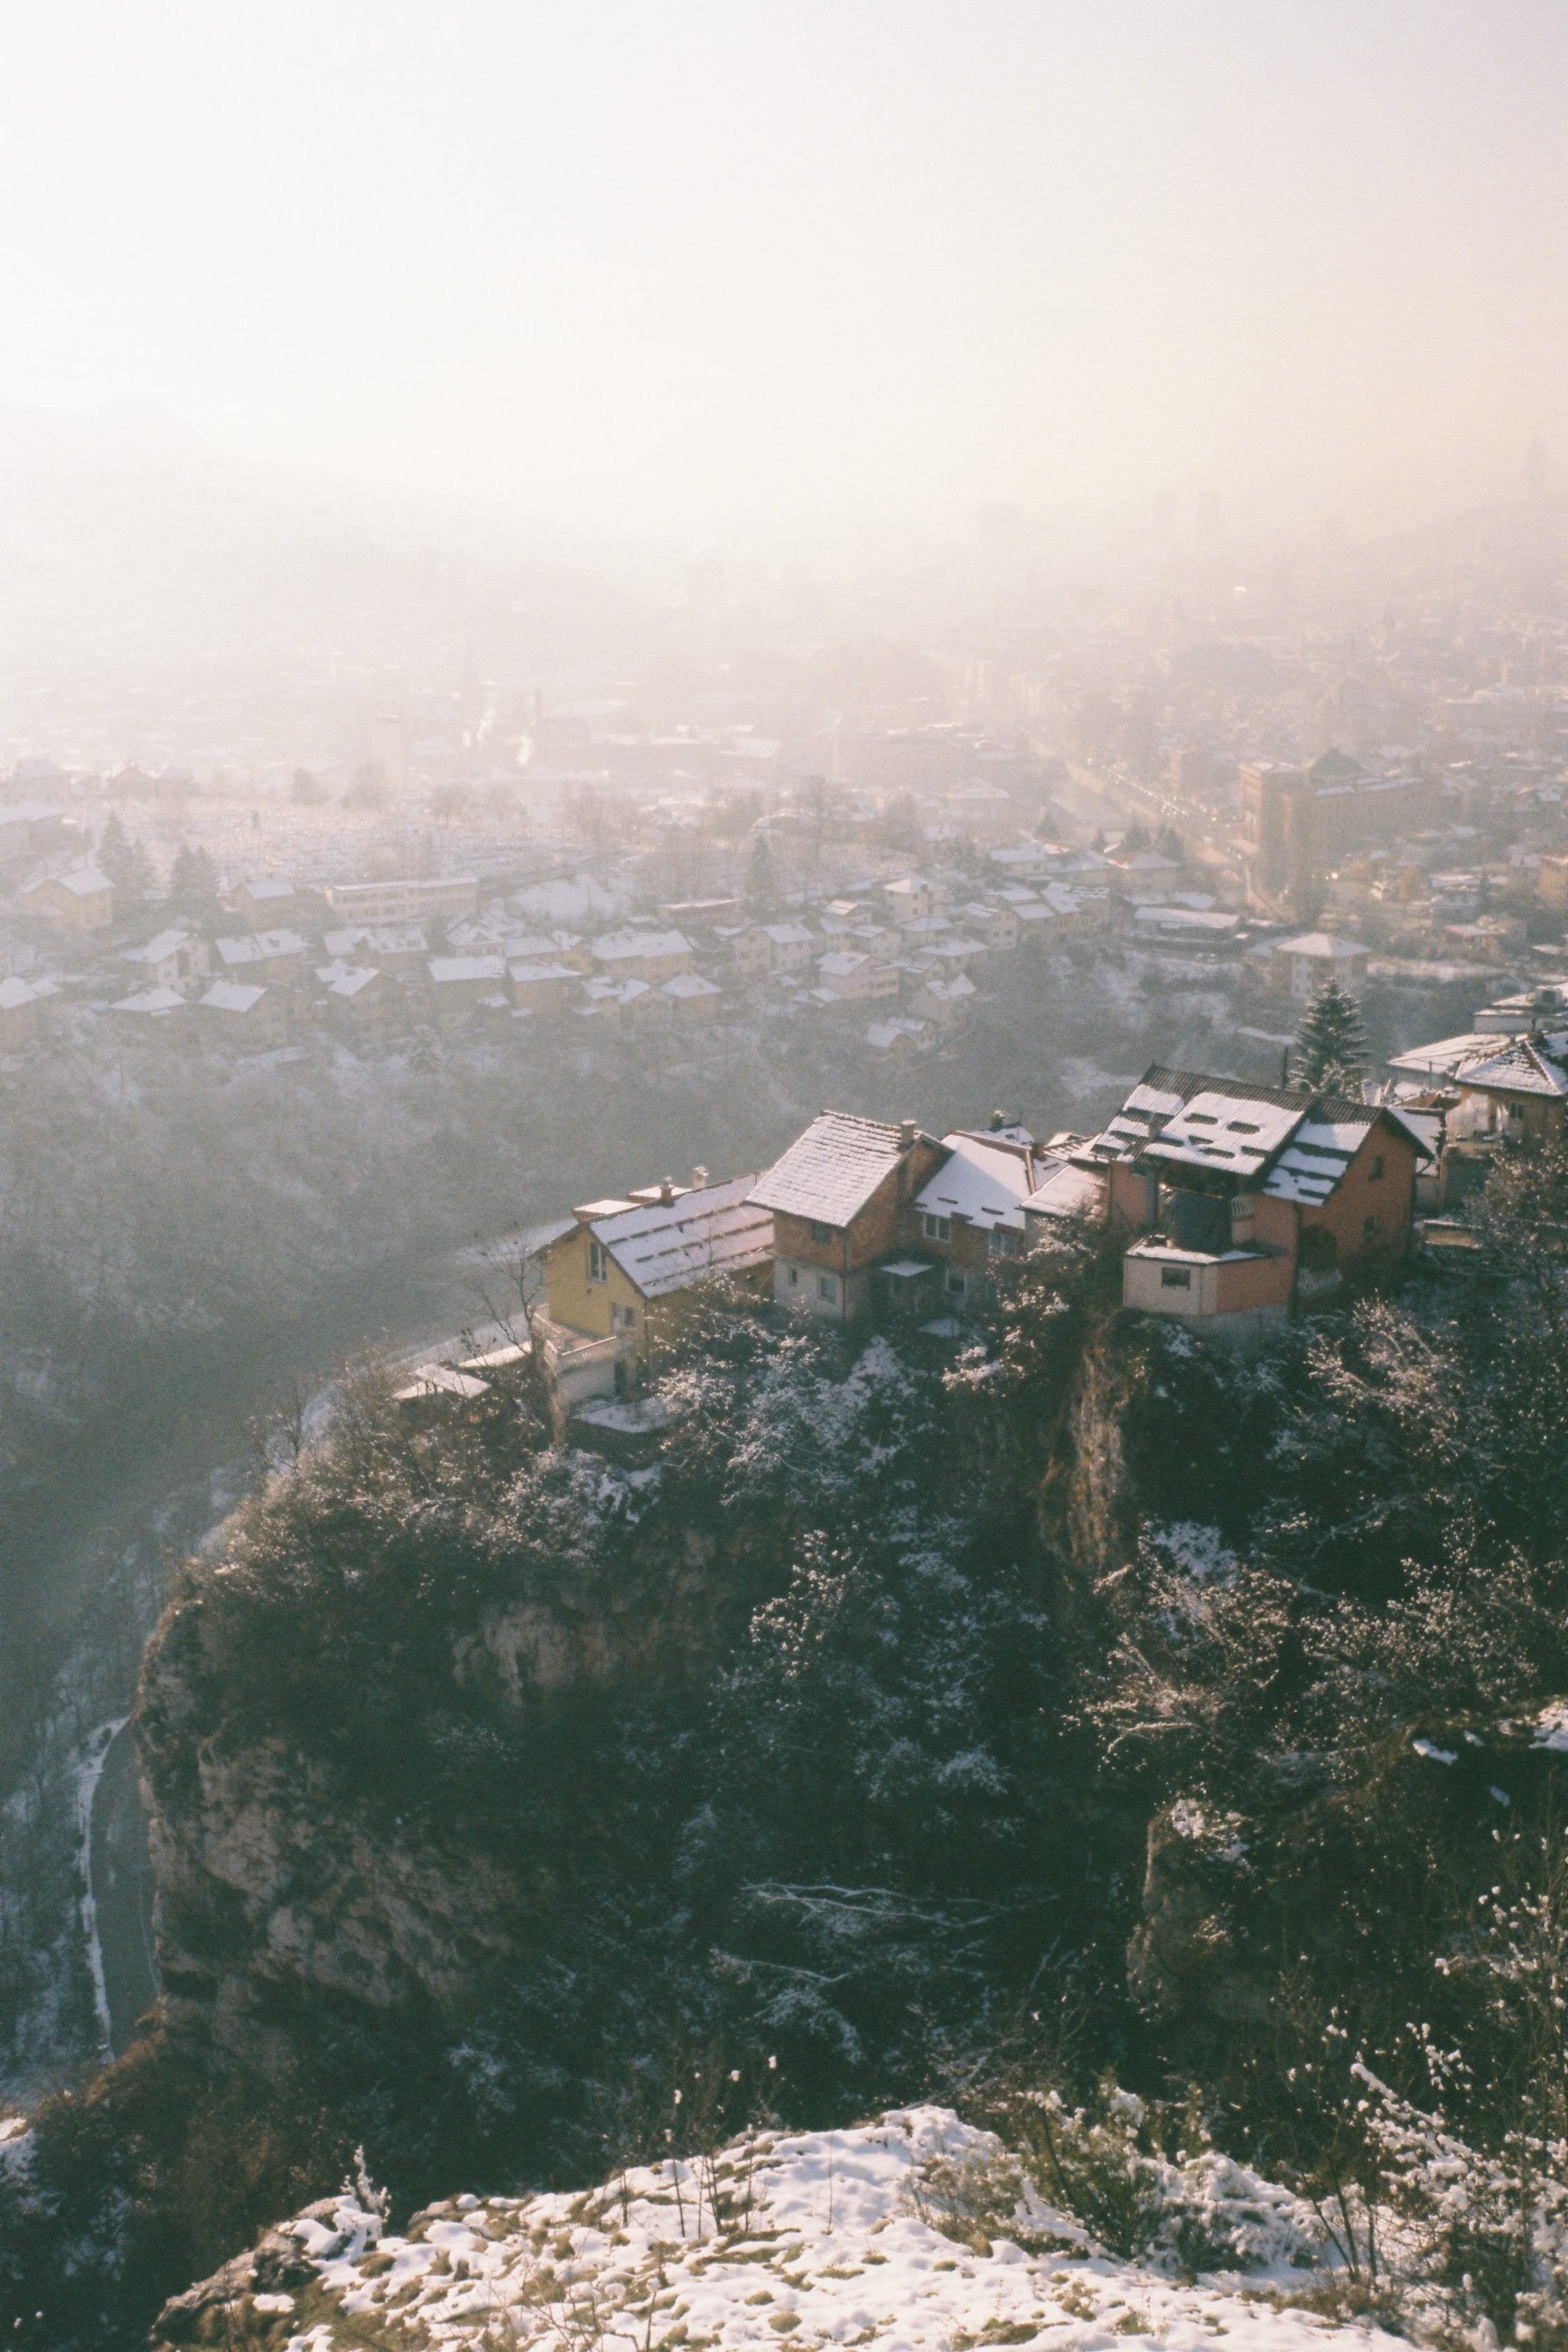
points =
(667, 1246)
(832, 1171)
(1448, 1055)
(447, 970)
(1222, 1131)
(1522, 1068)
(1320, 944)
(986, 1184)
(231, 996)
(1068, 1192)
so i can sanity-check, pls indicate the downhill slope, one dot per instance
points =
(851, 2238)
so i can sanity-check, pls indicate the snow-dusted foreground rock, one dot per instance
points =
(816, 2239)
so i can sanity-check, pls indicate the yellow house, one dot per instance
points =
(618, 1282)
(81, 898)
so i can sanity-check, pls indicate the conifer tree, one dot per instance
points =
(124, 862)
(760, 882)
(1332, 1051)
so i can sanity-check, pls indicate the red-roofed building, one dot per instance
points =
(1248, 1199)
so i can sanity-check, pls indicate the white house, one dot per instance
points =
(1302, 964)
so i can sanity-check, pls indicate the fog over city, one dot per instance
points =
(783, 797)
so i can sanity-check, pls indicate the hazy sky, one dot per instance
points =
(739, 268)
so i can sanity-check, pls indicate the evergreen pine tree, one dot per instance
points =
(759, 883)
(1332, 1051)
(192, 887)
(114, 851)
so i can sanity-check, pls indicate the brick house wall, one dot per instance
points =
(1359, 1195)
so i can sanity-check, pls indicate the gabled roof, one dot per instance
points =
(622, 946)
(1522, 1068)
(1448, 1055)
(670, 1244)
(1319, 943)
(167, 943)
(232, 996)
(832, 1171)
(82, 881)
(157, 1002)
(1321, 1148)
(986, 1183)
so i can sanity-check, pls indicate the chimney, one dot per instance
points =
(699, 1179)
(906, 1134)
(665, 1189)
(999, 1119)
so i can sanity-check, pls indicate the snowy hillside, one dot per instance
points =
(842, 2238)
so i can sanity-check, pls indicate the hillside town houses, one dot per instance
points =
(1235, 1206)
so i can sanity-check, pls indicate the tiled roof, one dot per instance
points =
(670, 1244)
(832, 1171)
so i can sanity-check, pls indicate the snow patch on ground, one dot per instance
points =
(824, 2238)
(89, 1774)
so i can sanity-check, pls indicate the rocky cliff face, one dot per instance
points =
(398, 1836)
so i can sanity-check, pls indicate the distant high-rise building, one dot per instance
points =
(1297, 820)
(1164, 515)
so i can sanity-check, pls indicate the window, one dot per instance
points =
(822, 1233)
(937, 1229)
(957, 1287)
(622, 1319)
(792, 1274)
(1372, 1227)
(598, 1262)
(1003, 1243)
(1176, 1278)
(827, 1288)
(1374, 1168)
